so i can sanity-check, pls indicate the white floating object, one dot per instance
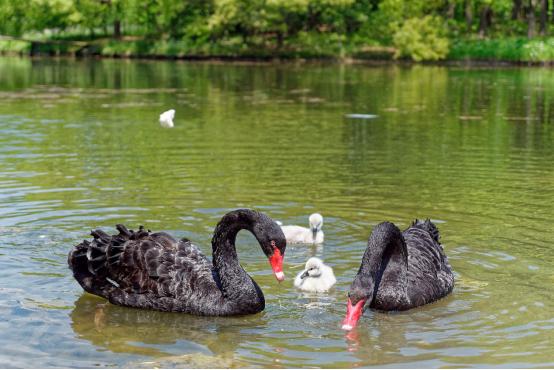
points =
(361, 116)
(166, 118)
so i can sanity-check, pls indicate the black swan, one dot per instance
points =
(399, 271)
(155, 271)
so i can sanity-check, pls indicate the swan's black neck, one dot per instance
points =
(235, 282)
(385, 247)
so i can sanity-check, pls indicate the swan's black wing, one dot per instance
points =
(430, 276)
(428, 226)
(147, 270)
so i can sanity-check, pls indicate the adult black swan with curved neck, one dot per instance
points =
(399, 271)
(155, 271)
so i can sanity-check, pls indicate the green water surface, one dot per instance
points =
(472, 149)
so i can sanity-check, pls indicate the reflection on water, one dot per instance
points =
(166, 337)
(81, 147)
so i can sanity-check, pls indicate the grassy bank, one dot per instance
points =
(515, 50)
(512, 50)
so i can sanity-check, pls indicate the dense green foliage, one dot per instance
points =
(419, 39)
(513, 49)
(416, 29)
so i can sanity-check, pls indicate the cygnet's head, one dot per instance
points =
(316, 222)
(313, 268)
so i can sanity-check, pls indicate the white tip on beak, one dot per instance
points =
(280, 275)
(347, 327)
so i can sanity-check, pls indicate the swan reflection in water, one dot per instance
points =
(415, 336)
(382, 339)
(163, 339)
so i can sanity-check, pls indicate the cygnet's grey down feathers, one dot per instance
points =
(316, 277)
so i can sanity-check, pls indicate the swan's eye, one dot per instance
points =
(274, 246)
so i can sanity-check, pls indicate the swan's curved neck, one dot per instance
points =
(385, 264)
(386, 247)
(235, 282)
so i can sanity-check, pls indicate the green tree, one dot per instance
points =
(421, 39)
(50, 14)
(13, 17)
(91, 14)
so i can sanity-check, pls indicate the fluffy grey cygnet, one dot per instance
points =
(317, 277)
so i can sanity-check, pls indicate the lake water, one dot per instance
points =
(472, 149)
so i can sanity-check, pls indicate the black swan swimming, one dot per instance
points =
(399, 271)
(155, 271)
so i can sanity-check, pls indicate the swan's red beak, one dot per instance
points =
(353, 314)
(276, 261)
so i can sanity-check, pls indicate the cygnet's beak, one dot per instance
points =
(314, 233)
(304, 275)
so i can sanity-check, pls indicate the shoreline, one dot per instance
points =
(226, 59)
(377, 56)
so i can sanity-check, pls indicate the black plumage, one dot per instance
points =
(156, 271)
(400, 270)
